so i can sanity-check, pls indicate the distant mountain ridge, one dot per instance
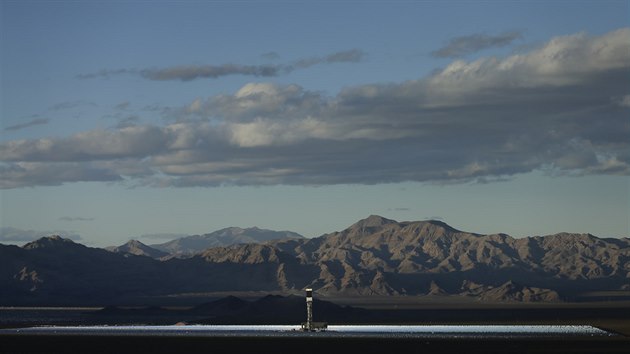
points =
(137, 248)
(225, 237)
(374, 256)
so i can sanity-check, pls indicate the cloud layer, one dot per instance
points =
(561, 107)
(465, 45)
(75, 218)
(193, 72)
(34, 122)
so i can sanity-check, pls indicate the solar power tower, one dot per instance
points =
(309, 309)
(309, 325)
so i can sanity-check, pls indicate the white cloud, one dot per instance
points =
(133, 141)
(195, 106)
(563, 61)
(27, 174)
(266, 132)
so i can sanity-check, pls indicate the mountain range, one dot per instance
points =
(187, 246)
(229, 236)
(375, 256)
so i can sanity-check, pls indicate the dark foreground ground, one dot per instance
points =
(610, 316)
(314, 343)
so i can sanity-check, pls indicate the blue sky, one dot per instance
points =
(124, 120)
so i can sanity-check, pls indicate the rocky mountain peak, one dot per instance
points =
(373, 221)
(137, 248)
(48, 242)
(442, 224)
(247, 253)
(232, 230)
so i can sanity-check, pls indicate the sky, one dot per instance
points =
(154, 120)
